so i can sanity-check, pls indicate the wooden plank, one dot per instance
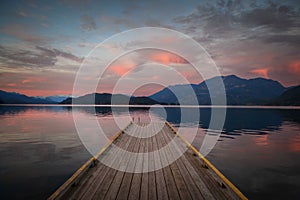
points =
(127, 179)
(115, 185)
(145, 175)
(186, 176)
(179, 180)
(170, 182)
(161, 187)
(135, 187)
(152, 187)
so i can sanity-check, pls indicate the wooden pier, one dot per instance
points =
(190, 176)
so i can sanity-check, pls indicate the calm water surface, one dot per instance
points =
(259, 149)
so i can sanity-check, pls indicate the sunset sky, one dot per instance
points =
(43, 44)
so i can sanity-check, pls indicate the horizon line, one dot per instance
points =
(155, 105)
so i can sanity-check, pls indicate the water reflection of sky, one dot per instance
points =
(258, 150)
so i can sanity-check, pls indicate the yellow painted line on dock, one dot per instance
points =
(62, 189)
(209, 164)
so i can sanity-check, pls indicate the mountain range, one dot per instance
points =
(16, 98)
(239, 91)
(55, 98)
(107, 99)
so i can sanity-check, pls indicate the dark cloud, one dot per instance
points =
(276, 18)
(25, 57)
(36, 57)
(293, 40)
(87, 23)
(56, 52)
(240, 20)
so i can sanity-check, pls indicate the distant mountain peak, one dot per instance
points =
(106, 99)
(54, 98)
(239, 91)
(231, 76)
(16, 98)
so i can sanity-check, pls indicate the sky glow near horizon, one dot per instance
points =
(44, 43)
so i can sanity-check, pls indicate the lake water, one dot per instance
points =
(259, 149)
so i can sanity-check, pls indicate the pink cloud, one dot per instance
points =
(32, 79)
(167, 58)
(294, 67)
(11, 84)
(121, 69)
(261, 72)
